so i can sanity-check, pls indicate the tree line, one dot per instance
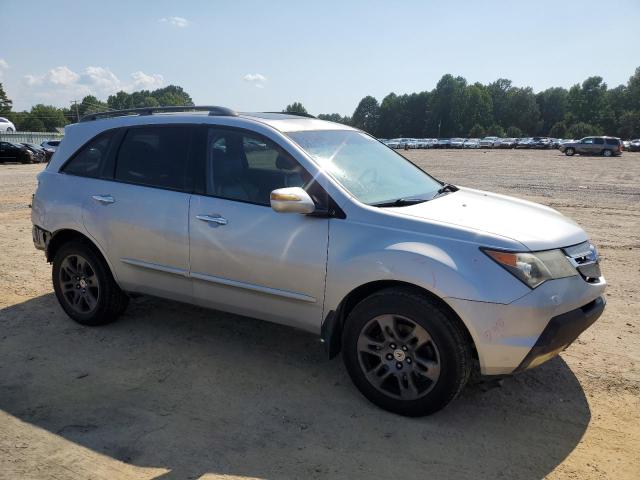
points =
(47, 118)
(454, 108)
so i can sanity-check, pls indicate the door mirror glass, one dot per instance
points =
(291, 200)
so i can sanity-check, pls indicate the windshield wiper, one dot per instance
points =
(446, 188)
(400, 202)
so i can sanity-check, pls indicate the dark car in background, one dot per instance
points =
(634, 145)
(14, 152)
(605, 146)
(39, 152)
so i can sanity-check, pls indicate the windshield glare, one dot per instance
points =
(369, 170)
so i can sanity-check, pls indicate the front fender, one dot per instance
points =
(444, 266)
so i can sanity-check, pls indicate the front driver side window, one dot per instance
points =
(248, 167)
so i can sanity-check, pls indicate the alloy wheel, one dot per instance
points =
(79, 284)
(398, 357)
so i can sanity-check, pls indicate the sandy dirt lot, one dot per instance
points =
(177, 392)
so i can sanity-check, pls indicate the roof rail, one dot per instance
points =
(297, 114)
(213, 110)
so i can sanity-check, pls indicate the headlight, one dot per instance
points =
(534, 268)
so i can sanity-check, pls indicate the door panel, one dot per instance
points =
(260, 263)
(144, 231)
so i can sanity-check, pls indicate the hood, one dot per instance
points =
(535, 226)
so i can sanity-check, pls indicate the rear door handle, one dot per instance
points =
(104, 199)
(212, 219)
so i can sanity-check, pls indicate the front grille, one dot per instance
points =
(584, 257)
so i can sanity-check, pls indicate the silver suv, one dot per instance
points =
(318, 226)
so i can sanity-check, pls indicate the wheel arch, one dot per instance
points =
(334, 322)
(66, 235)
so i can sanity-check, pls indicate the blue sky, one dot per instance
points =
(258, 55)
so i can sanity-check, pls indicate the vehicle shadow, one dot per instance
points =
(195, 392)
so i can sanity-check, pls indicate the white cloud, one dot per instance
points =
(142, 81)
(179, 22)
(3, 66)
(61, 84)
(254, 77)
(257, 79)
(62, 76)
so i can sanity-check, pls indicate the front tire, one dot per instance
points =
(569, 152)
(85, 287)
(405, 353)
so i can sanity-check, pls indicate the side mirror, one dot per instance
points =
(291, 200)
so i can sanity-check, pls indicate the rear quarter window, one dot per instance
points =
(612, 141)
(89, 161)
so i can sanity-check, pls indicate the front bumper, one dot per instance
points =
(561, 332)
(534, 328)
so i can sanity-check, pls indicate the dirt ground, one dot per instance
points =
(178, 392)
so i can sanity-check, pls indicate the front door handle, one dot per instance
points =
(104, 199)
(212, 219)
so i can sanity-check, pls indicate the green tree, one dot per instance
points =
(478, 107)
(5, 102)
(582, 129)
(477, 131)
(514, 132)
(295, 107)
(559, 130)
(335, 117)
(629, 125)
(522, 110)
(367, 115)
(391, 116)
(43, 118)
(495, 130)
(498, 91)
(552, 104)
(447, 106)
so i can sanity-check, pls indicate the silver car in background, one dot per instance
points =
(318, 226)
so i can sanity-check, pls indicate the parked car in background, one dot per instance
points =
(392, 143)
(506, 143)
(50, 145)
(443, 143)
(634, 145)
(488, 142)
(471, 143)
(14, 152)
(457, 142)
(517, 282)
(7, 125)
(606, 146)
(523, 143)
(540, 142)
(38, 151)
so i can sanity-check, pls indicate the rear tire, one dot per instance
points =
(85, 287)
(607, 153)
(405, 353)
(569, 152)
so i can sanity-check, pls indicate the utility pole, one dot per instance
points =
(75, 102)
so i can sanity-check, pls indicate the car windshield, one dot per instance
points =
(369, 170)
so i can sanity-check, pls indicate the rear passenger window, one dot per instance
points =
(612, 141)
(599, 141)
(154, 156)
(90, 160)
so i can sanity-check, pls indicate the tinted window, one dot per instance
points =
(90, 159)
(587, 140)
(612, 141)
(154, 156)
(599, 141)
(248, 167)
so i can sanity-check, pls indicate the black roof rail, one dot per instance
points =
(297, 114)
(213, 110)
